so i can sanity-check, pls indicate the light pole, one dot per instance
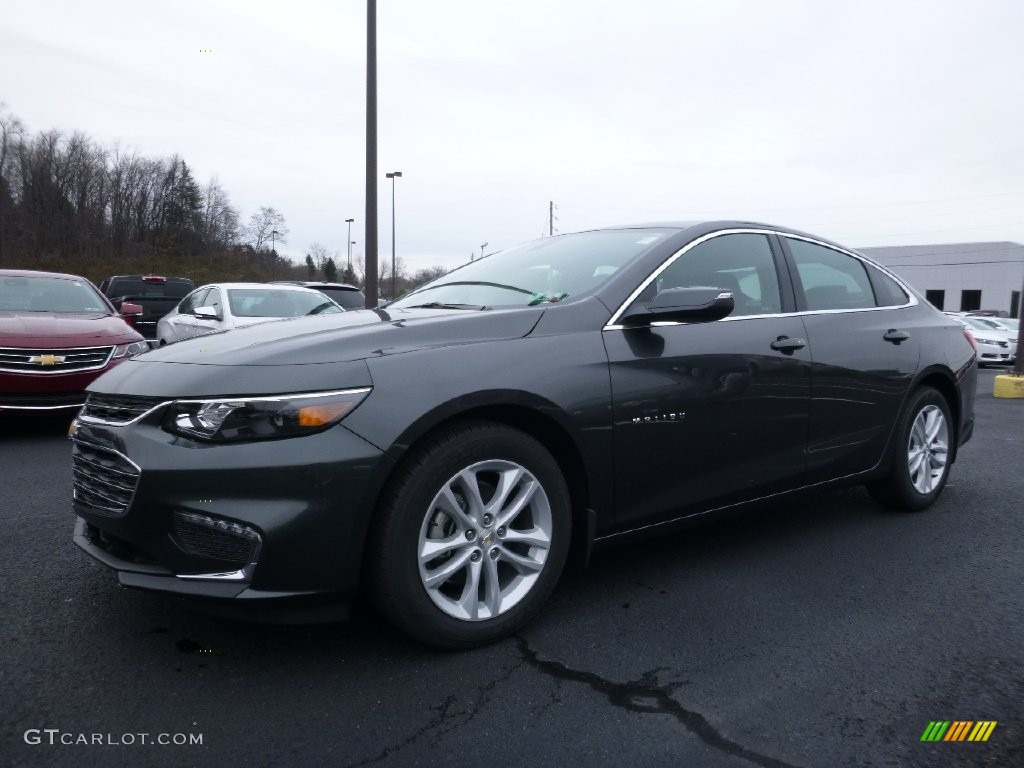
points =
(349, 222)
(273, 252)
(393, 175)
(482, 246)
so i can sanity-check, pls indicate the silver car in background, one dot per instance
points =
(993, 347)
(223, 306)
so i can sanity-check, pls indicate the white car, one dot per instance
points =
(993, 348)
(997, 328)
(223, 306)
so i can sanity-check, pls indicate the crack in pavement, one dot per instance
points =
(646, 696)
(445, 720)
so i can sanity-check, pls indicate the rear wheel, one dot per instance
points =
(921, 459)
(471, 536)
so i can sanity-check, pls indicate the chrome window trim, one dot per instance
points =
(614, 325)
(101, 366)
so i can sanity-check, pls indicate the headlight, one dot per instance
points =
(980, 340)
(131, 350)
(260, 418)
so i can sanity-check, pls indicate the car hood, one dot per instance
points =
(331, 349)
(63, 329)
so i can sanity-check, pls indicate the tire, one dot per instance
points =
(457, 569)
(921, 457)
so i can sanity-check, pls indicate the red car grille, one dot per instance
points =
(19, 360)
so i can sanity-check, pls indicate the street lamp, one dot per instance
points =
(273, 252)
(482, 246)
(393, 175)
(349, 222)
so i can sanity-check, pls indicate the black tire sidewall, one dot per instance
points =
(406, 600)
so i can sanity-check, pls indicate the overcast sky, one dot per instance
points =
(872, 123)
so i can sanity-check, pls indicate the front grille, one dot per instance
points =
(39, 360)
(41, 402)
(215, 538)
(104, 480)
(118, 409)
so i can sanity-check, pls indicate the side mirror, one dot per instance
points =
(206, 313)
(700, 304)
(129, 312)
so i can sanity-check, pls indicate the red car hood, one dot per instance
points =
(63, 329)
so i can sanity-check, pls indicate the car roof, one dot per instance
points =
(316, 284)
(262, 286)
(139, 277)
(36, 273)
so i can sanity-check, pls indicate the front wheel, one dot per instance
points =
(921, 459)
(471, 536)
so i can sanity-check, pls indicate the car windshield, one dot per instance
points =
(272, 302)
(49, 294)
(982, 324)
(547, 270)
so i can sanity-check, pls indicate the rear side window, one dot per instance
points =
(831, 279)
(887, 291)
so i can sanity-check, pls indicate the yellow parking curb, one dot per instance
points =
(1008, 386)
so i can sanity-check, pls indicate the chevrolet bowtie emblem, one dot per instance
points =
(46, 359)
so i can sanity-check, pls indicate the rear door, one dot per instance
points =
(865, 343)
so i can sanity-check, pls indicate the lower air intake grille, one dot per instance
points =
(216, 539)
(104, 480)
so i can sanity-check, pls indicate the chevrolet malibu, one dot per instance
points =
(57, 334)
(446, 456)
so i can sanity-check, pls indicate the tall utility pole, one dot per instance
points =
(393, 175)
(349, 222)
(551, 218)
(1018, 365)
(370, 239)
(482, 246)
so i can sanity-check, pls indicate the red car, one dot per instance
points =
(57, 334)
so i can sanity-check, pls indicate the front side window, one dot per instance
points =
(547, 270)
(831, 279)
(188, 305)
(213, 299)
(740, 263)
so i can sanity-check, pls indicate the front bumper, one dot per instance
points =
(264, 522)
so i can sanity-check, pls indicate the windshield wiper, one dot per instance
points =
(442, 305)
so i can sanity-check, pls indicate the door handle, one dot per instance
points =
(895, 336)
(788, 345)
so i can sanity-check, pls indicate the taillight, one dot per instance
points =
(970, 340)
(154, 279)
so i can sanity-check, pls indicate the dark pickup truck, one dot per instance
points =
(156, 295)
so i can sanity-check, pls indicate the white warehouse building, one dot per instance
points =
(960, 277)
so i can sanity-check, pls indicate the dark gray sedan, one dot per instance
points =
(448, 455)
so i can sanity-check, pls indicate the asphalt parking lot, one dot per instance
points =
(821, 632)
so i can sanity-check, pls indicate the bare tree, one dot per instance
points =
(261, 225)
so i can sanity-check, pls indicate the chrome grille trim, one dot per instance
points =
(105, 480)
(75, 359)
(118, 410)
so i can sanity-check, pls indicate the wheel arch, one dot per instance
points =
(542, 420)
